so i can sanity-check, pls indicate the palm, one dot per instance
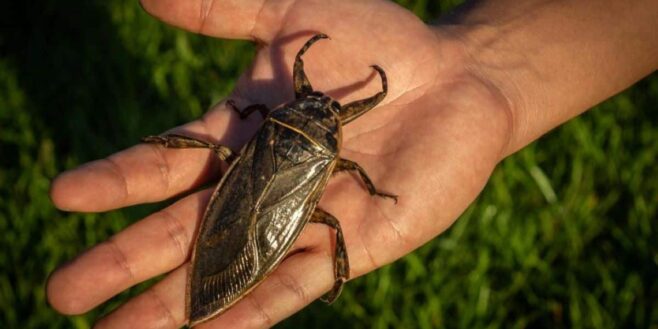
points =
(433, 141)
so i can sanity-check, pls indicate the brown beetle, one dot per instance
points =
(269, 193)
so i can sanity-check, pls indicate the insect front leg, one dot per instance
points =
(344, 164)
(182, 142)
(342, 265)
(355, 109)
(244, 113)
(301, 83)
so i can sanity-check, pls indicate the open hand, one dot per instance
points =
(433, 141)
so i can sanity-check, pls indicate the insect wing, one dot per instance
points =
(254, 216)
(301, 173)
(225, 254)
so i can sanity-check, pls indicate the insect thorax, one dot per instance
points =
(313, 116)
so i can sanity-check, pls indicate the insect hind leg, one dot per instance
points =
(341, 266)
(182, 142)
(355, 109)
(301, 83)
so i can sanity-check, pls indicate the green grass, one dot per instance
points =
(564, 235)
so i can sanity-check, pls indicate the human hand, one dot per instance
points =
(433, 141)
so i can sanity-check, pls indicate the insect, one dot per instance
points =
(269, 193)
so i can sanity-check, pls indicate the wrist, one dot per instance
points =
(495, 69)
(551, 61)
(496, 99)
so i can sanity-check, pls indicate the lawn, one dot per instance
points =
(564, 235)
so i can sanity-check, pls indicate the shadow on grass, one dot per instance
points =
(90, 95)
(81, 83)
(82, 91)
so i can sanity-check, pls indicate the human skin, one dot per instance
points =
(463, 94)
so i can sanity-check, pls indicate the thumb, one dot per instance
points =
(240, 19)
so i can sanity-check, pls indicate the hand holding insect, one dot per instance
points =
(384, 142)
(413, 144)
(433, 141)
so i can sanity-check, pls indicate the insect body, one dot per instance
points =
(269, 193)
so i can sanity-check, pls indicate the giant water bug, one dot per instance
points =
(269, 193)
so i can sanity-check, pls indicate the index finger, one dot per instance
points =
(149, 173)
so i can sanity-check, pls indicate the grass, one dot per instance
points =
(564, 235)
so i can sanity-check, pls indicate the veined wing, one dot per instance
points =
(289, 201)
(224, 260)
(255, 214)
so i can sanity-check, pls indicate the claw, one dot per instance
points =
(390, 196)
(154, 140)
(335, 291)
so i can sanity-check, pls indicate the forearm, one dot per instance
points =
(552, 60)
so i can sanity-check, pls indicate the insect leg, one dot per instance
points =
(301, 83)
(182, 142)
(342, 265)
(355, 109)
(244, 113)
(344, 164)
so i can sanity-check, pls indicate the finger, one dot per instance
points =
(157, 244)
(302, 278)
(247, 19)
(148, 173)
(161, 306)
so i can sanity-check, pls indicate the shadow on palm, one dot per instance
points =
(433, 141)
(340, 67)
